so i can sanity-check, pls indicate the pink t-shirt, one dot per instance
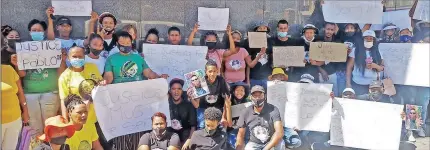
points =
(217, 57)
(235, 66)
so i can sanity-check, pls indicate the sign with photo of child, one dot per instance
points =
(197, 86)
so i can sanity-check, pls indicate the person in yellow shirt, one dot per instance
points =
(12, 96)
(85, 136)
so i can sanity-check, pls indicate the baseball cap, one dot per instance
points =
(307, 78)
(64, 20)
(375, 84)
(369, 33)
(56, 122)
(262, 23)
(389, 27)
(257, 88)
(348, 90)
(176, 80)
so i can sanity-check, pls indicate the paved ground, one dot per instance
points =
(423, 143)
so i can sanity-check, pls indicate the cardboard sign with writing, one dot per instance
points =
(288, 56)
(328, 51)
(213, 18)
(257, 39)
(353, 11)
(126, 108)
(38, 54)
(72, 7)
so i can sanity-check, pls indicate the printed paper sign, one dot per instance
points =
(257, 39)
(399, 17)
(38, 54)
(288, 56)
(328, 51)
(72, 7)
(126, 108)
(412, 59)
(353, 11)
(422, 11)
(304, 106)
(236, 110)
(175, 60)
(197, 85)
(213, 18)
(354, 120)
(413, 117)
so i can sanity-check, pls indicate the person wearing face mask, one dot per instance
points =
(348, 93)
(132, 30)
(126, 66)
(365, 64)
(152, 36)
(264, 123)
(239, 92)
(217, 97)
(85, 136)
(8, 53)
(57, 130)
(96, 48)
(389, 34)
(211, 41)
(405, 35)
(106, 29)
(70, 80)
(182, 113)
(262, 69)
(212, 137)
(159, 137)
(375, 94)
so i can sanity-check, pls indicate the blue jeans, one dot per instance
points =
(200, 118)
(255, 146)
(341, 83)
(423, 100)
(291, 138)
(259, 82)
(310, 137)
(232, 136)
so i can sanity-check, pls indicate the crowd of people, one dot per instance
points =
(55, 105)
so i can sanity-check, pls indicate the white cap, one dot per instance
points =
(349, 90)
(389, 27)
(307, 78)
(369, 33)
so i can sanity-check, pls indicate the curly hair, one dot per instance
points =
(71, 101)
(6, 29)
(213, 113)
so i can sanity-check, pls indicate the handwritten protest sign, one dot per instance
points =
(328, 51)
(126, 108)
(353, 11)
(354, 121)
(38, 54)
(411, 59)
(213, 18)
(288, 56)
(72, 7)
(175, 60)
(236, 110)
(304, 106)
(257, 39)
(399, 17)
(422, 11)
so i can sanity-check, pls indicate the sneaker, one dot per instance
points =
(411, 138)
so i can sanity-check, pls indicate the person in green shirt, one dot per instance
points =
(126, 66)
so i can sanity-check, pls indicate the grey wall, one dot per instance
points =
(162, 13)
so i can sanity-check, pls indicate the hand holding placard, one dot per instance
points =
(257, 39)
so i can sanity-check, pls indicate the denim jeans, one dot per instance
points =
(423, 100)
(259, 82)
(291, 138)
(200, 118)
(310, 137)
(232, 136)
(255, 146)
(341, 82)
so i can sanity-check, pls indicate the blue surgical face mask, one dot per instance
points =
(405, 38)
(282, 34)
(77, 63)
(37, 36)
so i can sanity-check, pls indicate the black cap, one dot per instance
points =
(64, 20)
(176, 80)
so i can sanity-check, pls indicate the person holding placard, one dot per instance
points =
(375, 93)
(95, 49)
(364, 65)
(126, 66)
(264, 122)
(182, 112)
(211, 41)
(312, 67)
(159, 137)
(174, 36)
(259, 73)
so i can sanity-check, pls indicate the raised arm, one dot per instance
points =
(192, 34)
(232, 49)
(93, 21)
(50, 33)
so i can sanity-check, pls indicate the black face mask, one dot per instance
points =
(159, 132)
(258, 103)
(211, 45)
(349, 34)
(11, 44)
(210, 132)
(95, 52)
(237, 44)
(58, 140)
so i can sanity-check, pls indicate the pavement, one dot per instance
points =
(423, 143)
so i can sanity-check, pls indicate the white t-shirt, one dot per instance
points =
(108, 41)
(99, 62)
(369, 74)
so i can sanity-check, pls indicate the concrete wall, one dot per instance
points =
(162, 13)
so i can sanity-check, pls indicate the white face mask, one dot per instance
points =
(368, 44)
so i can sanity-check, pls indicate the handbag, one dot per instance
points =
(25, 138)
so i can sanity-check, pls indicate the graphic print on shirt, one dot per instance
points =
(176, 124)
(235, 64)
(264, 59)
(211, 99)
(261, 133)
(105, 54)
(86, 86)
(39, 74)
(84, 145)
(129, 69)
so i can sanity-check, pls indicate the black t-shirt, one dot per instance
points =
(203, 141)
(170, 139)
(183, 117)
(263, 68)
(261, 125)
(216, 91)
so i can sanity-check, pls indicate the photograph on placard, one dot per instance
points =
(413, 116)
(197, 83)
